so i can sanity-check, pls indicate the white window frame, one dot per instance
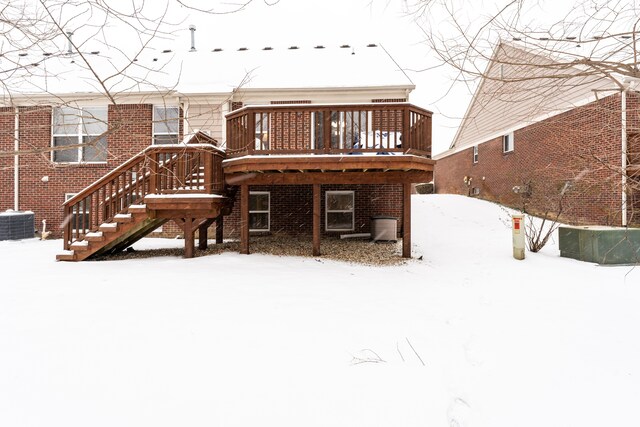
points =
(508, 143)
(475, 154)
(327, 211)
(86, 211)
(268, 211)
(156, 121)
(79, 135)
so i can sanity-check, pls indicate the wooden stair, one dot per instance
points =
(114, 236)
(183, 183)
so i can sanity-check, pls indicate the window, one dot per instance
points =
(80, 216)
(339, 211)
(507, 143)
(166, 125)
(475, 154)
(83, 131)
(259, 210)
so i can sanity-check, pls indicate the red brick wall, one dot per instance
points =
(129, 133)
(633, 156)
(7, 118)
(576, 148)
(292, 207)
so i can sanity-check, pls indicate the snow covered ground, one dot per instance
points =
(466, 337)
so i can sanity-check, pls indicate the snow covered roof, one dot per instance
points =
(204, 71)
(522, 87)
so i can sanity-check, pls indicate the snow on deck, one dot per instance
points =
(184, 196)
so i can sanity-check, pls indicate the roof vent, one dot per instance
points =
(166, 51)
(47, 54)
(155, 59)
(571, 38)
(625, 37)
(517, 39)
(242, 49)
(70, 45)
(217, 49)
(319, 47)
(192, 28)
(345, 46)
(293, 47)
(372, 45)
(95, 52)
(22, 54)
(267, 48)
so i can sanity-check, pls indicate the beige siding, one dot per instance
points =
(519, 90)
(205, 118)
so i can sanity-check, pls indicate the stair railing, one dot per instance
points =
(160, 169)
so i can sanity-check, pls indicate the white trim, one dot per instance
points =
(475, 154)
(327, 211)
(268, 211)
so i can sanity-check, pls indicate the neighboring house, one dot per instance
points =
(529, 138)
(315, 141)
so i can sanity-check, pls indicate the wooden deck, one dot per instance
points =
(195, 184)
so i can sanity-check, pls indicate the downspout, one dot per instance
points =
(623, 159)
(16, 162)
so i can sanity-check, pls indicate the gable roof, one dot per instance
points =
(206, 71)
(521, 87)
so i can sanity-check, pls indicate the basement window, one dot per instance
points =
(82, 131)
(339, 211)
(259, 211)
(507, 143)
(166, 125)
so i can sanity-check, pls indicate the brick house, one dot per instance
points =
(313, 143)
(552, 145)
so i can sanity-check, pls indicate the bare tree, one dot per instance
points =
(517, 53)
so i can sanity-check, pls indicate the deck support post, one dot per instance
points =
(244, 219)
(203, 238)
(189, 231)
(219, 229)
(316, 219)
(406, 220)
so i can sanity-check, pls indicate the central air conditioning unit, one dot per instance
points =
(384, 228)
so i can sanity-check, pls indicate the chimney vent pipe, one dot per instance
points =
(70, 46)
(192, 28)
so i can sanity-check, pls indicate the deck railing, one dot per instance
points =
(161, 169)
(329, 129)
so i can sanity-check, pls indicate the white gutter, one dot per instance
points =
(623, 119)
(16, 162)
